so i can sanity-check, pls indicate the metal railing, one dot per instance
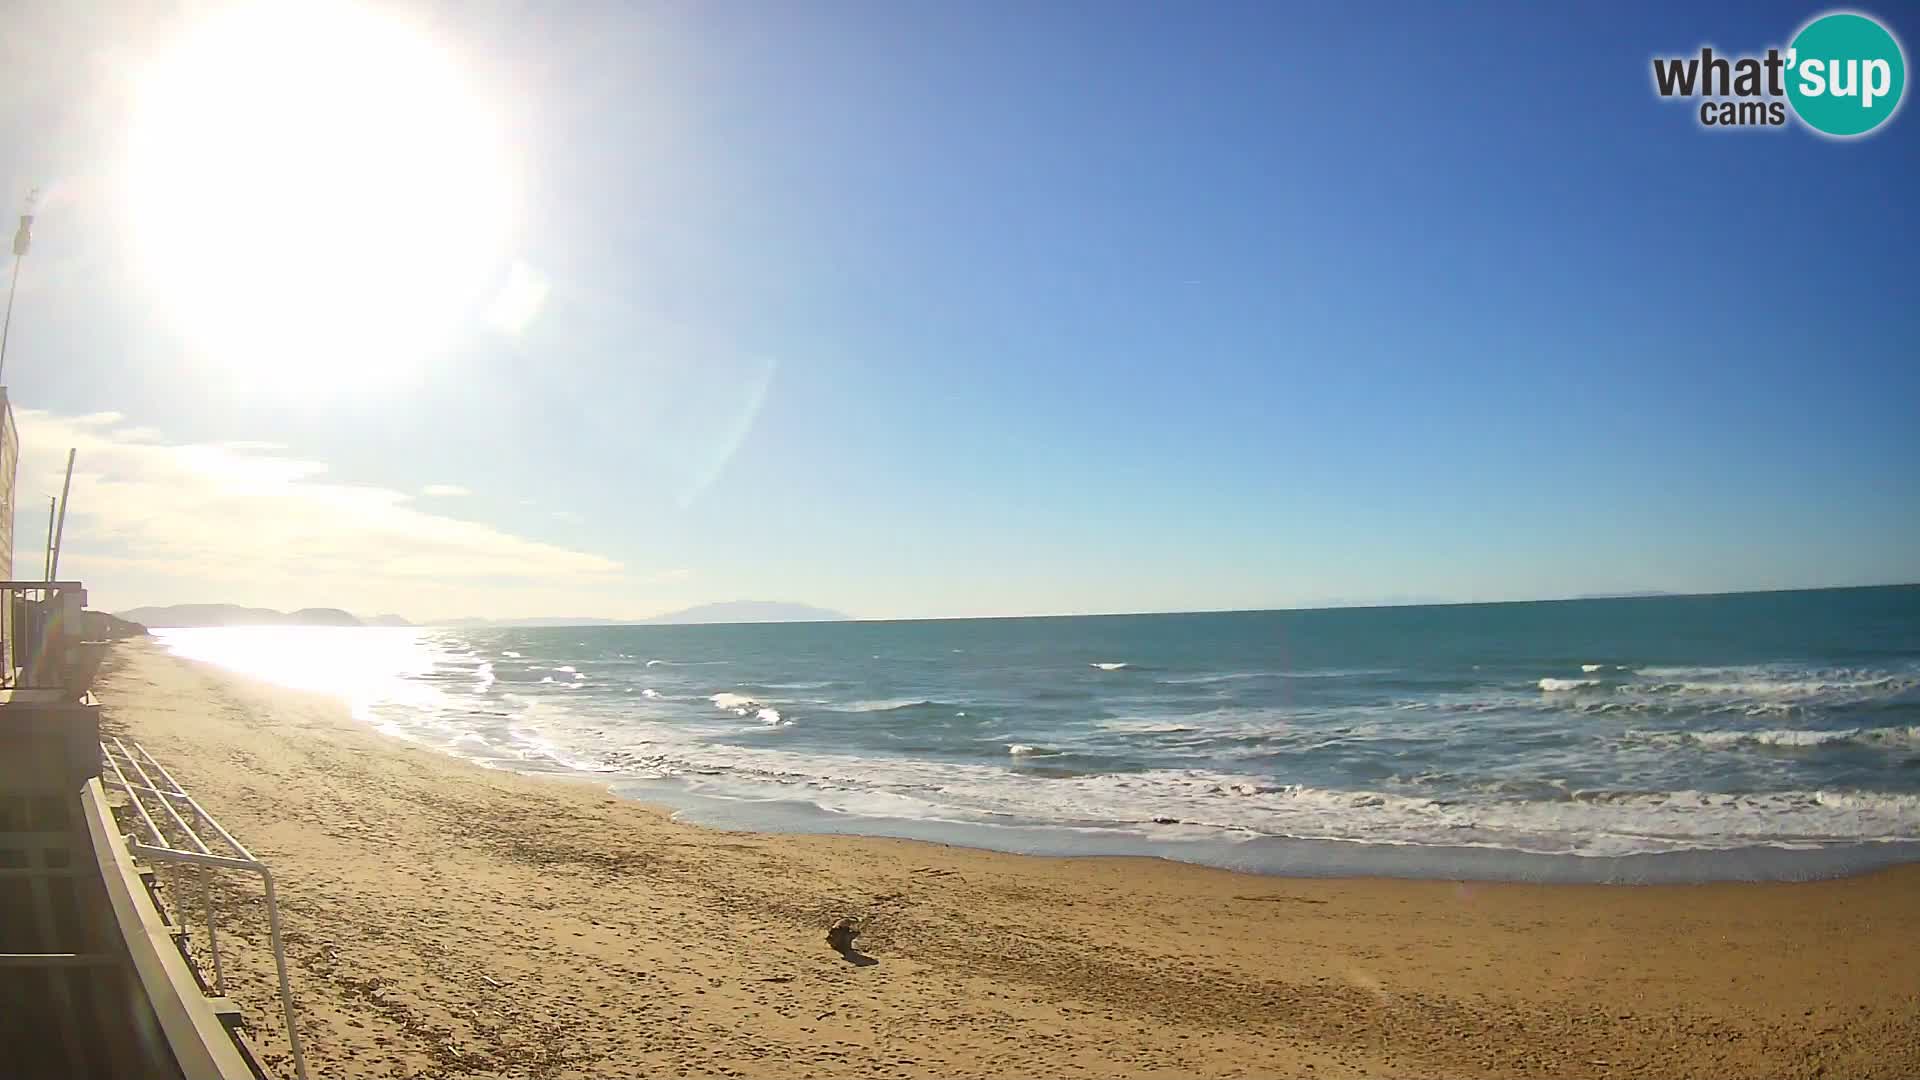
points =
(148, 796)
(42, 627)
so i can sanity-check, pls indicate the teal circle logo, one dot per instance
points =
(1845, 74)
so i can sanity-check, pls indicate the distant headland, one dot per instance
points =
(735, 611)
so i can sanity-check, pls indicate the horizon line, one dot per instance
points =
(450, 623)
(1379, 605)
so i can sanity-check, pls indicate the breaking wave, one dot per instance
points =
(886, 705)
(1507, 744)
(1791, 739)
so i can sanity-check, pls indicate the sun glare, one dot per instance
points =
(317, 194)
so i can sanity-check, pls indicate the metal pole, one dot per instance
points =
(280, 966)
(22, 240)
(213, 935)
(6, 329)
(46, 563)
(60, 530)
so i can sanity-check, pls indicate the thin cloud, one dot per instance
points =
(445, 491)
(158, 520)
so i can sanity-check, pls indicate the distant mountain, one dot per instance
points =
(474, 621)
(234, 615)
(100, 626)
(734, 611)
(749, 611)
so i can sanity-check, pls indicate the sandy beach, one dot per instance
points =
(448, 920)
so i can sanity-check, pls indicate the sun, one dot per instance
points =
(317, 195)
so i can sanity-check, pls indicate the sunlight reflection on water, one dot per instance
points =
(363, 665)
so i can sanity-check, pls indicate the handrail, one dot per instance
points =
(201, 1046)
(163, 850)
(206, 880)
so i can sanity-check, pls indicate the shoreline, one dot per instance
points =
(449, 919)
(1286, 857)
(763, 810)
(1062, 759)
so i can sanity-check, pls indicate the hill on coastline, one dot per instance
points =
(734, 611)
(739, 611)
(100, 626)
(235, 615)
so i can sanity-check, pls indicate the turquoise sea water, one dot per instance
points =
(1767, 735)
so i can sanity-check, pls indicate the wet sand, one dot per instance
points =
(447, 920)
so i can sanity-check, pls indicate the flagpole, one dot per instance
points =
(60, 530)
(6, 329)
(47, 563)
(21, 241)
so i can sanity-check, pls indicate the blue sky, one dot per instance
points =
(961, 309)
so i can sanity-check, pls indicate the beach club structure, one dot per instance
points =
(104, 858)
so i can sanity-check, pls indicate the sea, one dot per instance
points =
(1684, 738)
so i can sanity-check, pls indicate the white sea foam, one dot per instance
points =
(1775, 682)
(1589, 823)
(1145, 727)
(1786, 738)
(1108, 665)
(1772, 738)
(1551, 684)
(1230, 676)
(882, 705)
(1581, 822)
(1591, 668)
(1317, 673)
(742, 705)
(1238, 750)
(510, 654)
(568, 668)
